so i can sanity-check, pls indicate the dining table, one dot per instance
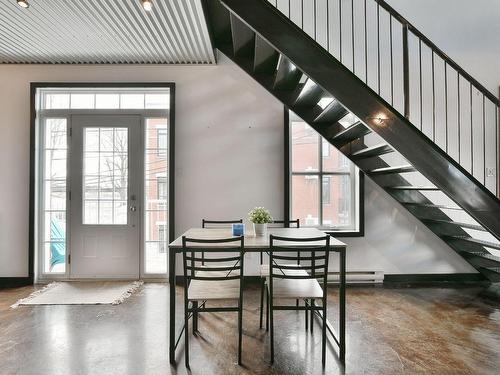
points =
(259, 244)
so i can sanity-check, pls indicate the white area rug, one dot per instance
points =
(81, 293)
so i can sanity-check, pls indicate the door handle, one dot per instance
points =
(133, 208)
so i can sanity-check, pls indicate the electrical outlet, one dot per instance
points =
(490, 172)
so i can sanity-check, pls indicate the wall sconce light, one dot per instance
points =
(379, 118)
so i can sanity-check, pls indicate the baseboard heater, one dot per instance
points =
(358, 277)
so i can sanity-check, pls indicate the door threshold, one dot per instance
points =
(145, 280)
(47, 281)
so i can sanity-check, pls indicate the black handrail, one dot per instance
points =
(445, 107)
(319, 65)
(439, 52)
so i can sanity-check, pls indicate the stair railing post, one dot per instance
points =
(406, 72)
(497, 154)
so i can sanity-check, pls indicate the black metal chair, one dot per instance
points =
(264, 268)
(286, 285)
(220, 279)
(217, 224)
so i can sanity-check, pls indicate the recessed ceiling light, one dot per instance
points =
(23, 3)
(147, 5)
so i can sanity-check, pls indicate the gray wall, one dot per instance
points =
(229, 150)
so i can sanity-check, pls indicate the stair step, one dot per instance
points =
(310, 94)
(243, 38)
(484, 255)
(373, 151)
(474, 240)
(265, 58)
(287, 76)
(430, 205)
(411, 187)
(388, 170)
(458, 224)
(221, 22)
(332, 113)
(342, 84)
(355, 131)
(492, 269)
(492, 274)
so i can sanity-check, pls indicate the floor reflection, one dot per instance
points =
(389, 331)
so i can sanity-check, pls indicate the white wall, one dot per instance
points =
(229, 144)
(396, 242)
(229, 158)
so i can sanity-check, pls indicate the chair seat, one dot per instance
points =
(300, 288)
(202, 290)
(264, 271)
(224, 273)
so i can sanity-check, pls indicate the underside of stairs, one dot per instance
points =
(301, 74)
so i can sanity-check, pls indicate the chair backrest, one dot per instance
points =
(224, 260)
(281, 223)
(219, 223)
(308, 254)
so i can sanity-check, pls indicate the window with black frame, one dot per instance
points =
(324, 185)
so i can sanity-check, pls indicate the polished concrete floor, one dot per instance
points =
(431, 330)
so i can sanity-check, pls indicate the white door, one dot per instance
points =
(105, 196)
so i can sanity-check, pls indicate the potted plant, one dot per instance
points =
(260, 217)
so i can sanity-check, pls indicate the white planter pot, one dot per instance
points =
(260, 229)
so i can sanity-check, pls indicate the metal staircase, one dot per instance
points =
(380, 140)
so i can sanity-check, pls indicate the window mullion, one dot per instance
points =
(320, 164)
(354, 182)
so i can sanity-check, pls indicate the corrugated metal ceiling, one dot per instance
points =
(104, 32)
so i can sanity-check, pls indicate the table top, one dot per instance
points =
(251, 240)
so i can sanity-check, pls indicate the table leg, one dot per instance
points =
(171, 281)
(342, 305)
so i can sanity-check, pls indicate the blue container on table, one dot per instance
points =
(238, 229)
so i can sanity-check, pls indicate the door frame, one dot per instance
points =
(34, 179)
(134, 225)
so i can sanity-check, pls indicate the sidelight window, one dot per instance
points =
(53, 196)
(156, 187)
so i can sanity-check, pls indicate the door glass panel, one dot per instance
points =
(105, 176)
(54, 191)
(156, 196)
(120, 212)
